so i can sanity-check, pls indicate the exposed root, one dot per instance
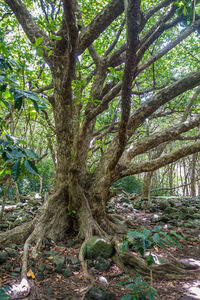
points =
(43, 224)
(133, 265)
(92, 227)
(17, 235)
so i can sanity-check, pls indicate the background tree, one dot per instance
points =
(107, 69)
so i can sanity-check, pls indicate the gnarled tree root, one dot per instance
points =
(133, 265)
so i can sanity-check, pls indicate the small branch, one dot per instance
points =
(111, 47)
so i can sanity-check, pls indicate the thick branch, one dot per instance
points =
(133, 15)
(108, 14)
(169, 134)
(26, 21)
(161, 161)
(144, 111)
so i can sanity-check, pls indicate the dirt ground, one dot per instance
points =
(56, 286)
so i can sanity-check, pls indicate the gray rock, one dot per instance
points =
(50, 253)
(41, 267)
(97, 246)
(102, 264)
(59, 268)
(67, 272)
(76, 267)
(3, 257)
(170, 210)
(7, 266)
(190, 263)
(17, 270)
(40, 276)
(12, 252)
(49, 269)
(90, 263)
(99, 293)
(49, 291)
(13, 274)
(188, 298)
(73, 260)
(59, 260)
(164, 204)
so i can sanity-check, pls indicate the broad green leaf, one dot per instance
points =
(30, 167)
(31, 154)
(15, 171)
(127, 297)
(55, 37)
(38, 41)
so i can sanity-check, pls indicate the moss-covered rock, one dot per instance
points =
(97, 246)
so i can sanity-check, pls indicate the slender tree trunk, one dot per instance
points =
(193, 174)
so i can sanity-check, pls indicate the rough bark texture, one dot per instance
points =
(79, 200)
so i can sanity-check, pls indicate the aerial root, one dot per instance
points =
(133, 265)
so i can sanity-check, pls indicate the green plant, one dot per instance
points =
(139, 289)
(141, 241)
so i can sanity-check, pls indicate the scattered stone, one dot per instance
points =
(99, 293)
(41, 267)
(102, 279)
(3, 257)
(50, 253)
(49, 269)
(12, 252)
(59, 268)
(188, 298)
(40, 276)
(76, 267)
(17, 270)
(102, 264)
(90, 263)
(59, 260)
(49, 291)
(70, 243)
(13, 274)
(190, 263)
(97, 246)
(7, 266)
(67, 273)
(73, 260)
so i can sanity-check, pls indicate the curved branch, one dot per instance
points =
(25, 19)
(169, 134)
(108, 14)
(144, 111)
(162, 161)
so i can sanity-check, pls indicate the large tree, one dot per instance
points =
(116, 61)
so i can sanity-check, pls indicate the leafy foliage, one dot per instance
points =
(142, 240)
(16, 160)
(139, 289)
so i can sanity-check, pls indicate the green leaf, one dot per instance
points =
(15, 170)
(17, 153)
(30, 167)
(124, 246)
(55, 37)
(38, 41)
(156, 238)
(150, 295)
(31, 154)
(35, 105)
(3, 293)
(150, 260)
(127, 297)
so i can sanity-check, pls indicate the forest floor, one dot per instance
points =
(50, 284)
